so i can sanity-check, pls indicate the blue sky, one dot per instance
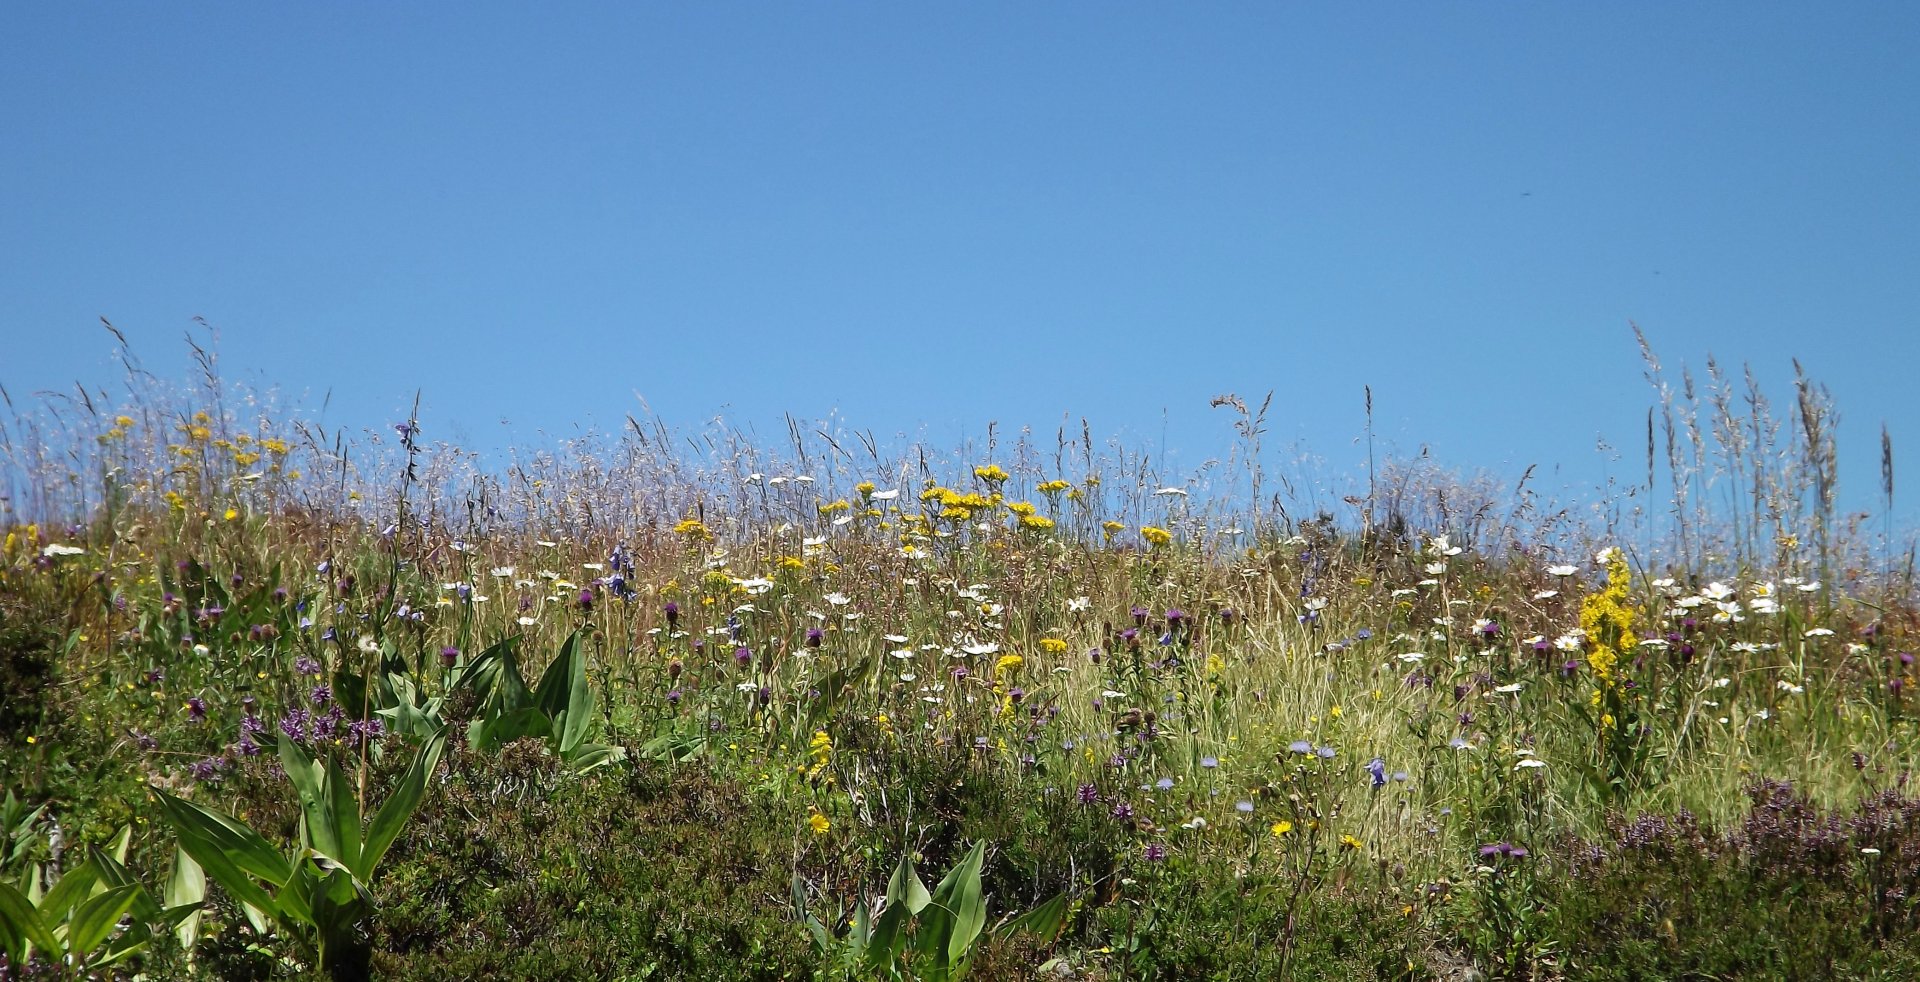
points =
(923, 218)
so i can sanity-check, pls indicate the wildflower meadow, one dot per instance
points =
(283, 701)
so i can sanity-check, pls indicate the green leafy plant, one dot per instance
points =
(560, 709)
(317, 896)
(934, 934)
(76, 922)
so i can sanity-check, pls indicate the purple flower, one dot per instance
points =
(1175, 615)
(1243, 806)
(1140, 615)
(673, 697)
(742, 656)
(1164, 784)
(586, 600)
(1491, 628)
(306, 666)
(1326, 753)
(1300, 747)
(449, 655)
(321, 695)
(196, 710)
(1155, 852)
(1503, 850)
(1209, 762)
(815, 636)
(1122, 811)
(672, 610)
(1088, 794)
(1377, 770)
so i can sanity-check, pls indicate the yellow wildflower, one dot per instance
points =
(693, 530)
(1155, 535)
(1282, 827)
(818, 822)
(1053, 646)
(992, 473)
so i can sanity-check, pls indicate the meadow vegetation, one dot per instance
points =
(279, 703)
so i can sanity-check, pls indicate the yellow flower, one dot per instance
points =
(1282, 827)
(991, 473)
(693, 530)
(1335, 712)
(1052, 487)
(838, 505)
(818, 823)
(1008, 664)
(123, 421)
(1349, 842)
(232, 513)
(1053, 646)
(1155, 535)
(865, 488)
(1039, 523)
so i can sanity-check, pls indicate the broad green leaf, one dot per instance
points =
(564, 696)
(588, 756)
(492, 734)
(400, 806)
(186, 891)
(905, 887)
(1044, 922)
(887, 939)
(20, 926)
(113, 873)
(74, 887)
(494, 678)
(95, 919)
(320, 788)
(227, 850)
(963, 911)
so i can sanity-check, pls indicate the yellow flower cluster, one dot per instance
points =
(991, 473)
(821, 749)
(1155, 535)
(693, 530)
(1052, 487)
(1053, 646)
(1607, 618)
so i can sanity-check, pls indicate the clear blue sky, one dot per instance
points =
(926, 217)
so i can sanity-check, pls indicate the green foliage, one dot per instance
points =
(317, 896)
(76, 922)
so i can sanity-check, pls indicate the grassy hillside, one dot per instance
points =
(278, 704)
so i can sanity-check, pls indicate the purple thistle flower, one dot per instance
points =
(1155, 852)
(1122, 811)
(1503, 850)
(196, 710)
(1088, 794)
(672, 610)
(742, 656)
(449, 655)
(815, 636)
